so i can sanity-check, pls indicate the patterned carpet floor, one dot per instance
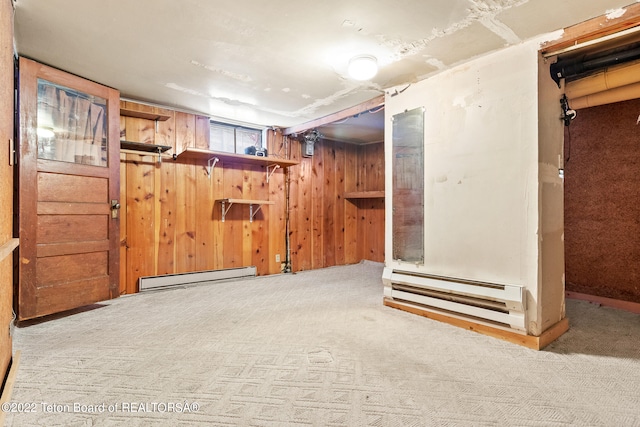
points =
(316, 348)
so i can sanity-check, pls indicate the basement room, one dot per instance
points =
(324, 214)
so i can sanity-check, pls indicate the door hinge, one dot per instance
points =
(12, 152)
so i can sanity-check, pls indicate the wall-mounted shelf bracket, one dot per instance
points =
(211, 163)
(272, 171)
(224, 211)
(252, 211)
(142, 148)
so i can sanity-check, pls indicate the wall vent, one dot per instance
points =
(159, 282)
(491, 303)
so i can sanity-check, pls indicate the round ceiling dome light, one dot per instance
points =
(363, 67)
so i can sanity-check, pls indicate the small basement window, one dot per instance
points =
(234, 139)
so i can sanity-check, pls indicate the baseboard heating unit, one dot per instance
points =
(493, 304)
(169, 280)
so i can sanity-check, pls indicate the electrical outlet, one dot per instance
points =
(277, 257)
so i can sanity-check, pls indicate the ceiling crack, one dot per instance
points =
(500, 29)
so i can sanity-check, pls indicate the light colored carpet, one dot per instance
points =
(316, 348)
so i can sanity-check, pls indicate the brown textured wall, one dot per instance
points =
(602, 201)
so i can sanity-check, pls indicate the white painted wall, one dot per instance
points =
(481, 170)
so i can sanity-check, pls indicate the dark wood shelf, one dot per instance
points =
(201, 154)
(147, 148)
(364, 195)
(143, 115)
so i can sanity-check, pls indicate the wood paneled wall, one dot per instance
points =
(7, 243)
(170, 222)
(326, 228)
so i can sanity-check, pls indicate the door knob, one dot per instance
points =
(115, 206)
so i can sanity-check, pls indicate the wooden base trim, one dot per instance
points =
(529, 341)
(7, 389)
(633, 307)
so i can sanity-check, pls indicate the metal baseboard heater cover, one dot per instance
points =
(169, 280)
(493, 303)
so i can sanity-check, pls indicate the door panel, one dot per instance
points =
(71, 228)
(71, 188)
(54, 299)
(69, 268)
(69, 174)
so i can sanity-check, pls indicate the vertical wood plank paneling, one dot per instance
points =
(339, 211)
(124, 265)
(361, 163)
(167, 232)
(317, 207)
(277, 221)
(233, 225)
(351, 209)
(376, 167)
(166, 132)
(185, 131)
(157, 178)
(185, 217)
(218, 226)
(248, 193)
(139, 130)
(373, 209)
(202, 132)
(329, 203)
(204, 219)
(294, 211)
(258, 240)
(303, 247)
(185, 195)
(376, 177)
(276, 215)
(362, 240)
(204, 196)
(140, 211)
(378, 243)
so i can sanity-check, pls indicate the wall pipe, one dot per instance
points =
(609, 78)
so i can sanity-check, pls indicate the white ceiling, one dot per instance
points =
(276, 63)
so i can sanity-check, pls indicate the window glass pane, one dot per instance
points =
(233, 139)
(71, 125)
(247, 138)
(222, 138)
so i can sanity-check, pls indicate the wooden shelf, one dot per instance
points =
(147, 148)
(144, 115)
(249, 202)
(364, 195)
(199, 153)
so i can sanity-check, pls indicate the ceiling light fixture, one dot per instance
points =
(363, 67)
